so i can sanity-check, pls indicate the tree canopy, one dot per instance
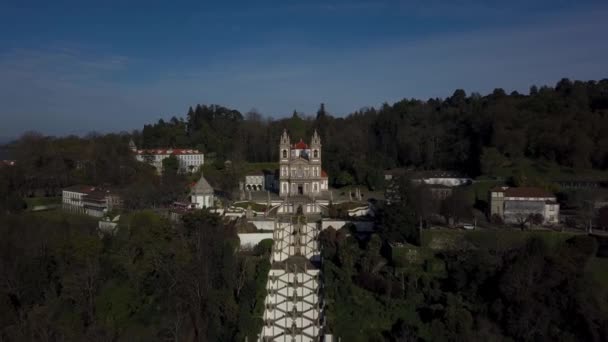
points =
(468, 133)
(153, 280)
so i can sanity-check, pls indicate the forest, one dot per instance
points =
(563, 125)
(531, 292)
(161, 280)
(550, 132)
(152, 281)
(493, 286)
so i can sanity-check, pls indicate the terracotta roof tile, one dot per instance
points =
(98, 194)
(300, 145)
(174, 151)
(84, 189)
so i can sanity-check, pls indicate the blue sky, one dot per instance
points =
(79, 66)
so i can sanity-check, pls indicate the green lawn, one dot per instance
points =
(407, 255)
(254, 206)
(35, 201)
(536, 172)
(60, 216)
(479, 190)
(349, 205)
(598, 267)
(258, 167)
(544, 170)
(498, 240)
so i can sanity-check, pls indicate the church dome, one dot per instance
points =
(301, 145)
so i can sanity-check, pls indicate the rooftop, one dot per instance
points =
(423, 174)
(523, 192)
(98, 194)
(84, 189)
(437, 174)
(202, 187)
(300, 145)
(173, 151)
(92, 192)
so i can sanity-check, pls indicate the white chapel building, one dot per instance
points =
(300, 172)
(202, 194)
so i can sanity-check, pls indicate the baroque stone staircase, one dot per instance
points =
(294, 307)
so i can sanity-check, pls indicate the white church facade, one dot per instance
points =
(300, 171)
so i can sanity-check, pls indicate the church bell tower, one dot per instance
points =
(284, 147)
(284, 157)
(315, 148)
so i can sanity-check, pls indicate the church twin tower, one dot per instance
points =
(300, 168)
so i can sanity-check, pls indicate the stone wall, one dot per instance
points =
(249, 240)
(263, 224)
(362, 226)
(361, 211)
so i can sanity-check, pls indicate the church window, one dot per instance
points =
(284, 154)
(316, 154)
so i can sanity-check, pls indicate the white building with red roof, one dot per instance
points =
(202, 194)
(91, 200)
(189, 160)
(517, 204)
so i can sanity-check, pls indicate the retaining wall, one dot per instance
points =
(249, 240)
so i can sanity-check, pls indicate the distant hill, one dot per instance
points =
(3, 151)
(6, 140)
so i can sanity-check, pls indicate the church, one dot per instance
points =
(300, 171)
